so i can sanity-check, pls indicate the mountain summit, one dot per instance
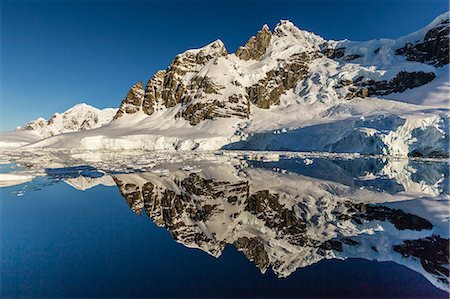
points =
(80, 117)
(290, 89)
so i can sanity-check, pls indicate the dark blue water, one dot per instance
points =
(60, 242)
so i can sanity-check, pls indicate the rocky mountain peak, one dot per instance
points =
(288, 62)
(201, 55)
(308, 40)
(132, 102)
(256, 46)
(433, 47)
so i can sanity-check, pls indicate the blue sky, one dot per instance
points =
(55, 54)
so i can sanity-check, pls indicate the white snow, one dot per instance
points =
(12, 179)
(313, 116)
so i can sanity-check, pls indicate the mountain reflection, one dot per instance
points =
(283, 213)
(284, 221)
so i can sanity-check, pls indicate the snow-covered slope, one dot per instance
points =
(80, 117)
(289, 89)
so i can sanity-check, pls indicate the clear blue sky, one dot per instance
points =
(55, 54)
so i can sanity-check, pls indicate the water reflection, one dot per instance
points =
(283, 222)
(286, 213)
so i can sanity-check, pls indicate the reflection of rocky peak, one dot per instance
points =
(433, 253)
(83, 183)
(182, 212)
(279, 222)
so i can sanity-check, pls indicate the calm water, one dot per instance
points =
(225, 226)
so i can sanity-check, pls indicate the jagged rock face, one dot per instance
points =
(253, 249)
(256, 46)
(339, 53)
(265, 225)
(265, 205)
(398, 218)
(267, 92)
(196, 113)
(209, 84)
(169, 88)
(173, 210)
(433, 49)
(153, 92)
(433, 253)
(174, 88)
(363, 87)
(132, 102)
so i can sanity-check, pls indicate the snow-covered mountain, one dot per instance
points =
(289, 89)
(80, 117)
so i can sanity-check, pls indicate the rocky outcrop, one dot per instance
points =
(153, 92)
(198, 112)
(256, 46)
(398, 218)
(278, 230)
(133, 101)
(268, 91)
(253, 249)
(174, 87)
(362, 87)
(169, 87)
(433, 253)
(267, 207)
(339, 53)
(433, 49)
(208, 84)
(400, 83)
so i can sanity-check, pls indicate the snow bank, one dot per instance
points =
(18, 138)
(10, 179)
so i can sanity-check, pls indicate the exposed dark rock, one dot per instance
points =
(265, 206)
(256, 46)
(349, 241)
(196, 113)
(153, 92)
(433, 49)
(132, 195)
(267, 92)
(200, 88)
(433, 253)
(398, 218)
(334, 53)
(253, 249)
(351, 57)
(331, 245)
(132, 102)
(401, 82)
